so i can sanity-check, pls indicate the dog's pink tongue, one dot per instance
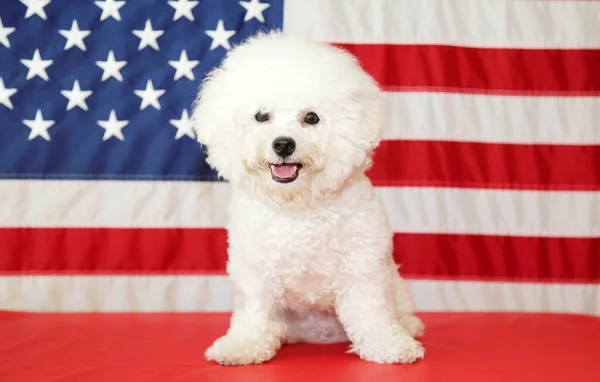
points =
(284, 171)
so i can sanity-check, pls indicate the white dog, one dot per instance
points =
(292, 125)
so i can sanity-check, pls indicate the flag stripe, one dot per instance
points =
(481, 70)
(110, 204)
(498, 23)
(113, 250)
(492, 212)
(486, 165)
(167, 293)
(491, 118)
(140, 204)
(98, 250)
(484, 257)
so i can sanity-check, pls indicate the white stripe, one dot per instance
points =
(487, 296)
(478, 23)
(491, 118)
(44, 203)
(56, 203)
(493, 212)
(213, 294)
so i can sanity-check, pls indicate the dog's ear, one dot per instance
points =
(213, 123)
(364, 123)
(364, 106)
(371, 116)
(205, 112)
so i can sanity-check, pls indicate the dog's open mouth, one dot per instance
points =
(285, 172)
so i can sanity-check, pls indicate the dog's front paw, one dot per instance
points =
(233, 350)
(412, 325)
(400, 348)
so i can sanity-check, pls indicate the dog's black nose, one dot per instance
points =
(284, 146)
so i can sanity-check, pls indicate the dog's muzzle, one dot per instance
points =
(284, 172)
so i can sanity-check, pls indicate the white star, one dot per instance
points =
(149, 96)
(254, 9)
(74, 36)
(76, 96)
(184, 66)
(5, 94)
(110, 8)
(220, 36)
(148, 36)
(35, 7)
(183, 8)
(4, 32)
(111, 67)
(183, 125)
(113, 127)
(36, 66)
(39, 127)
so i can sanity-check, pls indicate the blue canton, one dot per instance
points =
(103, 89)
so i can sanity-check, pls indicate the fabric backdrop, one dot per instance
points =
(489, 168)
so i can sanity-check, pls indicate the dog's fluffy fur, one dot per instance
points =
(310, 260)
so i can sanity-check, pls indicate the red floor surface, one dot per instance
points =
(163, 347)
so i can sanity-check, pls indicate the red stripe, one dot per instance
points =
(107, 250)
(486, 165)
(163, 251)
(498, 257)
(487, 70)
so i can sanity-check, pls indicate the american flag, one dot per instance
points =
(489, 168)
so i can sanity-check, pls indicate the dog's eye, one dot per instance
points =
(261, 117)
(311, 118)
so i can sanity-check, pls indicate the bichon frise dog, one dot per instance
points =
(292, 125)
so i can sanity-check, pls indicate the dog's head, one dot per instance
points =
(288, 119)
